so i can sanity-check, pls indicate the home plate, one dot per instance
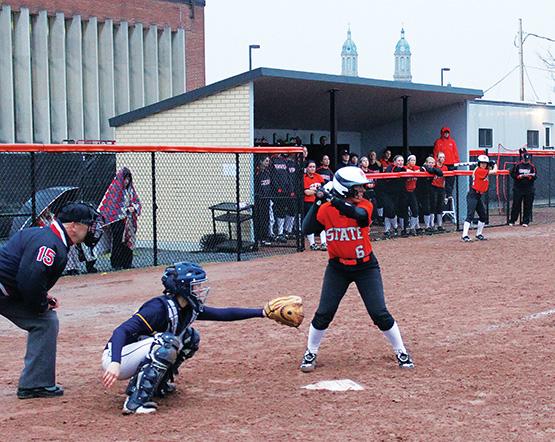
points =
(338, 385)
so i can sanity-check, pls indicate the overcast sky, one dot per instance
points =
(475, 38)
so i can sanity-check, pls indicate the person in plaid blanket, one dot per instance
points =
(120, 208)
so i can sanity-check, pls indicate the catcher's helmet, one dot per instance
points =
(346, 178)
(483, 159)
(186, 279)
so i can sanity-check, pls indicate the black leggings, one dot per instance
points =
(368, 278)
(438, 200)
(474, 203)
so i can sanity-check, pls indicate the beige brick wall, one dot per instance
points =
(188, 183)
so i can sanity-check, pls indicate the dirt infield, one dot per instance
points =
(479, 319)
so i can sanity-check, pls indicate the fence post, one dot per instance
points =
(549, 183)
(508, 193)
(238, 209)
(154, 210)
(457, 203)
(33, 190)
(300, 202)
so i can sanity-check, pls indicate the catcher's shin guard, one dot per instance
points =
(142, 386)
(190, 339)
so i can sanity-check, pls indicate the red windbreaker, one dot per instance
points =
(448, 146)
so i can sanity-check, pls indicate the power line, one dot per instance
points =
(503, 78)
(530, 81)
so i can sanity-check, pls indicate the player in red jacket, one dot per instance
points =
(343, 213)
(448, 146)
(312, 181)
(474, 201)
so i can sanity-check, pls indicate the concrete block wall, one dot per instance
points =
(187, 184)
(69, 66)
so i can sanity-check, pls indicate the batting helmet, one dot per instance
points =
(186, 279)
(346, 178)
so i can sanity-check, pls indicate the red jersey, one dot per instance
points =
(345, 238)
(410, 183)
(480, 181)
(311, 181)
(439, 181)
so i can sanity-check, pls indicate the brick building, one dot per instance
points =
(70, 65)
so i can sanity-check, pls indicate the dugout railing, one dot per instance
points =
(196, 203)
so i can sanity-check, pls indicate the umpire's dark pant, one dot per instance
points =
(40, 359)
(367, 277)
(520, 196)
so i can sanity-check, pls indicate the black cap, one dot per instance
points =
(77, 212)
(344, 152)
(526, 156)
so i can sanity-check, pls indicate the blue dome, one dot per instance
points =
(349, 47)
(402, 47)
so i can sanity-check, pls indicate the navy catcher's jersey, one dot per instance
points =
(31, 262)
(162, 314)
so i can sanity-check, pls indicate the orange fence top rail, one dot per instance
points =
(145, 148)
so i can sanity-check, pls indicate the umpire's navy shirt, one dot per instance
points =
(31, 262)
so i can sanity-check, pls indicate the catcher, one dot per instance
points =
(150, 346)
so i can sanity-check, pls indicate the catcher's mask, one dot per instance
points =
(188, 280)
(83, 213)
(346, 178)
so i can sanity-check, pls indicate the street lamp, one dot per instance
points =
(251, 47)
(444, 70)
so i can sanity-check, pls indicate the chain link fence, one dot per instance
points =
(198, 206)
(209, 204)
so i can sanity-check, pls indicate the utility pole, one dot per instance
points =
(521, 54)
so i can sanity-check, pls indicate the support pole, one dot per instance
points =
(406, 125)
(333, 125)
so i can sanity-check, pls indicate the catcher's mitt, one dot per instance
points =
(286, 310)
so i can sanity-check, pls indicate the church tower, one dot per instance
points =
(349, 57)
(402, 60)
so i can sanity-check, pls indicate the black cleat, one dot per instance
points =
(404, 360)
(308, 363)
(30, 393)
(481, 238)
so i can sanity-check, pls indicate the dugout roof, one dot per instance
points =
(301, 100)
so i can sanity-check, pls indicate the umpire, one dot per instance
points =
(524, 174)
(31, 263)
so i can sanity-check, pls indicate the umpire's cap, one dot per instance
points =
(78, 212)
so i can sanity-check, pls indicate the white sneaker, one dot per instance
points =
(525, 225)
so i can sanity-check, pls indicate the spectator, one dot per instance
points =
(386, 160)
(394, 199)
(369, 193)
(262, 197)
(281, 190)
(345, 159)
(324, 170)
(353, 160)
(425, 187)
(438, 195)
(474, 203)
(375, 166)
(312, 181)
(448, 146)
(524, 174)
(411, 200)
(120, 208)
